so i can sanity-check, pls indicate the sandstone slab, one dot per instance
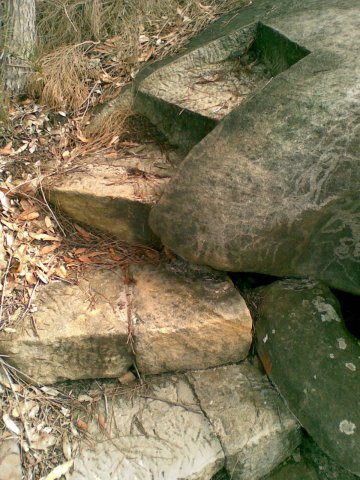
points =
(273, 188)
(255, 428)
(115, 195)
(187, 317)
(315, 363)
(80, 331)
(10, 462)
(157, 432)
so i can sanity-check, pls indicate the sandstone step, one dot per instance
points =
(186, 97)
(79, 331)
(187, 317)
(181, 317)
(162, 431)
(255, 428)
(274, 187)
(115, 195)
(158, 432)
(315, 363)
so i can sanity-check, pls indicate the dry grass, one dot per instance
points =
(130, 33)
(62, 82)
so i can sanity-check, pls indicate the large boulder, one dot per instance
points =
(187, 317)
(274, 187)
(255, 428)
(314, 362)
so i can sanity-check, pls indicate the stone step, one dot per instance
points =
(274, 187)
(187, 97)
(115, 195)
(179, 316)
(188, 426)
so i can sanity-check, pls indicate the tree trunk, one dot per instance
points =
(19, 42)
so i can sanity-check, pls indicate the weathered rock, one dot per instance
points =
(10, 462)
(184, 317)
(157, 432)
(273, 188)
(81, 332)
(326, 469)
(187, 318)
(115, 194)
(315, 363)
(255, 428)
(295, 471)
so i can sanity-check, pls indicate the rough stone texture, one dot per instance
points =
(315, 363)
(10, 462)
(255, 428)
(187, 318)
(326, 469)
(295, 471)
(81, 332)
(115, 194)
(274, 187)
(156, 433)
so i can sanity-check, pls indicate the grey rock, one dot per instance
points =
(274, 187)
(325, 467)
(255, 428)
(157, 432)
(10, 461)
(187, 317)
(314, 362)
(81, 331)
(294, 471)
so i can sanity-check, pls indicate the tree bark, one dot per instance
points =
(19, 42)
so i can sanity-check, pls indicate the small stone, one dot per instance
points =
(127, 378)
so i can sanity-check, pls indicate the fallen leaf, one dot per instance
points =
(102, 422)
(83, 233)
(66, 447)
(10, 424)
(7, 150)
(59, 471)
(45, 237)
(82, 425)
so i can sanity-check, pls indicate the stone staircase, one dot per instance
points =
(207, 409)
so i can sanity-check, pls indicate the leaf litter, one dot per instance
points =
(38, 245)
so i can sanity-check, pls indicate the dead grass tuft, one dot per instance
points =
(62, 78)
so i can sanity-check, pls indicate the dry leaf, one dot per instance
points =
(82, 425)
(45, 237)
(48, 248)
(7, 150)
(66, 447)
(101, 421)
(59, 471)
(41, 440)
(83, 233)
(10, 424)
